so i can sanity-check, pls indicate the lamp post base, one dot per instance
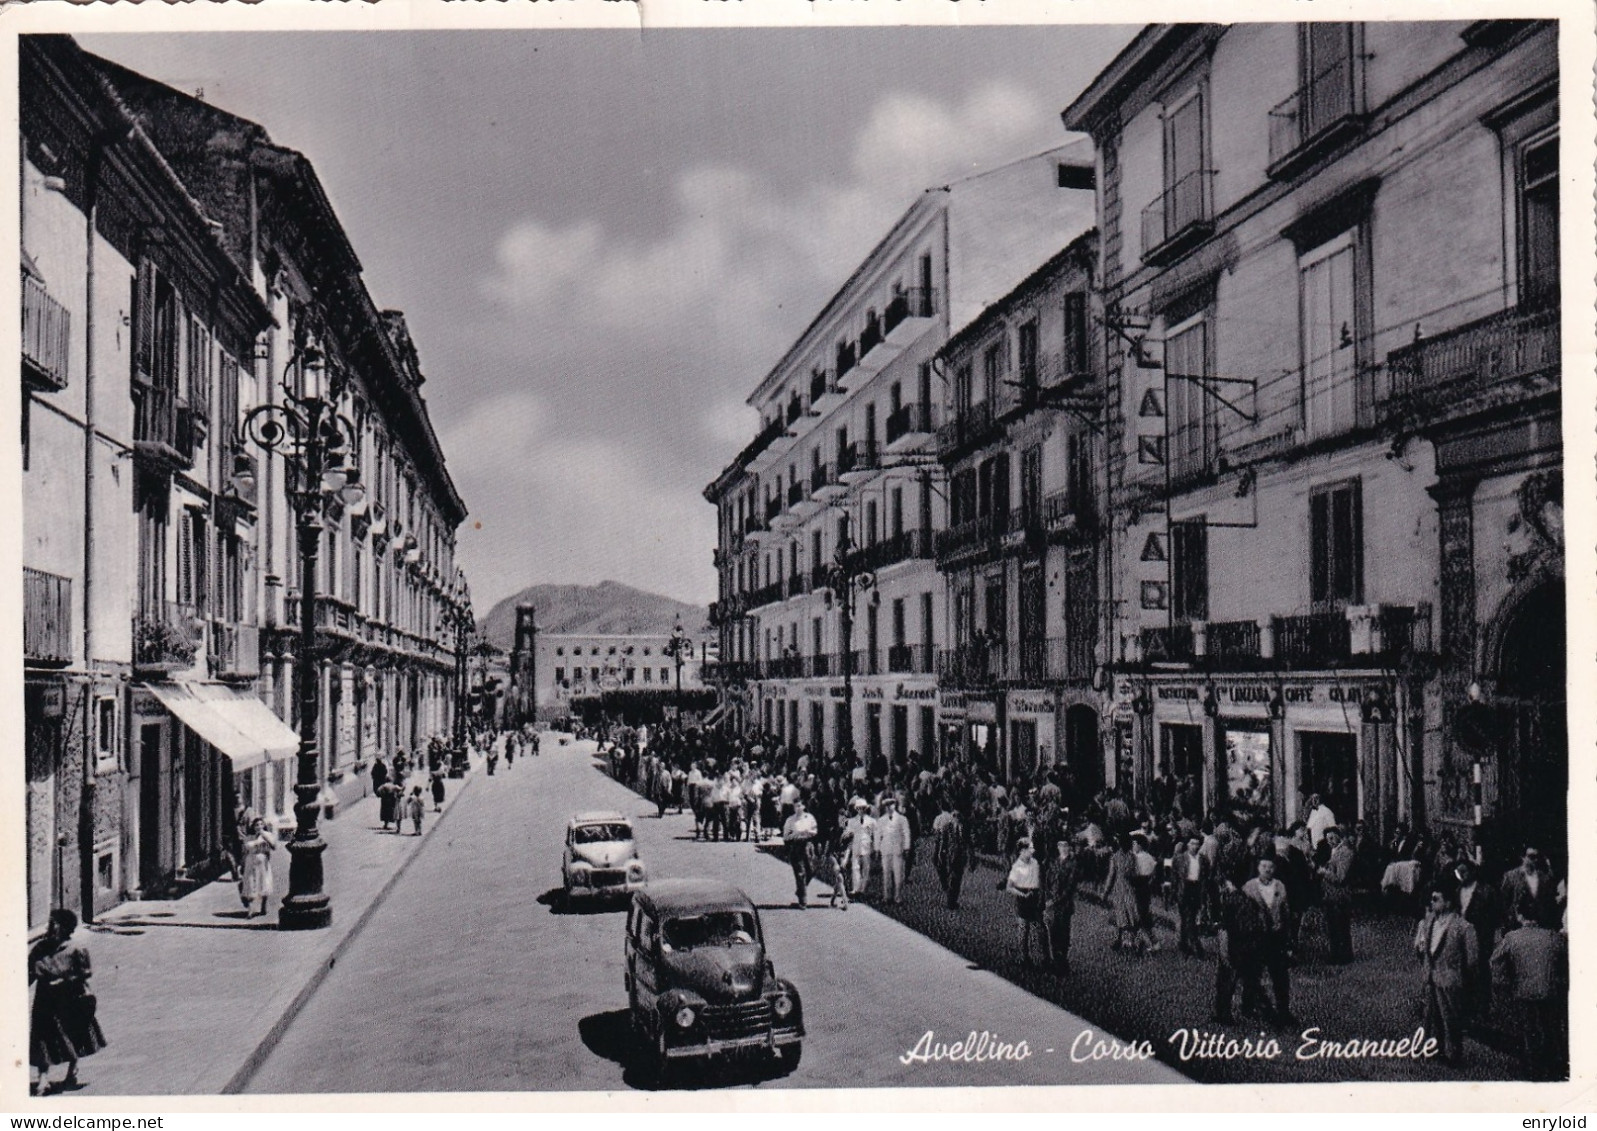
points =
(306, 907)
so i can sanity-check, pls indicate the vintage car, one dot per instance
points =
(699, 983)
(601, 858)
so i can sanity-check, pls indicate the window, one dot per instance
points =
(895, 511)
(1538, 221)
(995, 608)
(665, 675)
(1076, 350)
(1329, 338)
(1336, 545)
(1189, 565)
(1026, 346)
(1031, 484)
(1078, 472)
(593, 674)
(648, 675)
(1186, 185)
(815, 636)
(1325, 72)
(963, 393)
(105, 726)
(992, 368)
(560, 675)
(1192, 421)
(898, 622)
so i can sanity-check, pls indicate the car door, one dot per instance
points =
(646, 954)
(634, 913)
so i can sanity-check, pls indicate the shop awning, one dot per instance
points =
(231, 719)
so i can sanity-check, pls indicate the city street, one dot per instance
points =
(468, 977)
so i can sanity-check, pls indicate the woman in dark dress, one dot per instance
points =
(63, 1026)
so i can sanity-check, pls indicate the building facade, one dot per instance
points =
(583, 665)
(831, 611)
(1021, 442)
(1334, 450)
(173, 267)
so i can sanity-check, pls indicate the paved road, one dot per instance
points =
(467, 978)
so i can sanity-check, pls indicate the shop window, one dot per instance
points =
(1248, 788)
(1328, 764)
(1180, 751)
(1336, 545)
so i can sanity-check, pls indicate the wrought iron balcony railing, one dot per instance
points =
(1181, 216)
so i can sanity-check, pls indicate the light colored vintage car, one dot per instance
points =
(601, 857)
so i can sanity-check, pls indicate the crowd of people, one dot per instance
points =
(1257, 899)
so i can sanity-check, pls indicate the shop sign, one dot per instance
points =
(872, 693)
(954, 700)
(1030, 705)
(981, 710)
(928, 694)
(836, 692)
(1262, 694)
(815, 692)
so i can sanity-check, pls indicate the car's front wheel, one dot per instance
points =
(662, 1073)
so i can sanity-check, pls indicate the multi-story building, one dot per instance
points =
(1330, 263)
(388, 588)
(583, 665)
(174, 262)
(139, 333)
(1022, 555)
(831, 610)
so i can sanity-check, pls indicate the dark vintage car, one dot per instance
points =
(699, 984)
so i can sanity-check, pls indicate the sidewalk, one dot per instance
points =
(193, 996)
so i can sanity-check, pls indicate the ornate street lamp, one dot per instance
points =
(460, 617)
(316, 442)
(679, 648)
(844, 584)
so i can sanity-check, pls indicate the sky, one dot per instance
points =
(603, 240)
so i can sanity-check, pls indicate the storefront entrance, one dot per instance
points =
(1245, 771)
(817, 724)
(900, 734)
(1533, 733)
(1022, 751)
(1083, 752)
(1328, 764)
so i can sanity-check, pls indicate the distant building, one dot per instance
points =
(844, 472)
(575, 666)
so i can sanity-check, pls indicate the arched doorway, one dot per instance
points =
(1527, 661)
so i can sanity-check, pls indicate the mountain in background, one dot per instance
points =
(608, 608)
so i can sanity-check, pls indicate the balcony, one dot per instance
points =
(795, 493)
(910, 424)
(784, 667)
(825, 485)
(846, 360)
(1181, 218)
(798, 584)
(967, 430)
(820, 664)
(236, 650)
(972, 666)
(762, 442)
(858, 462)
(1168, 644)
(978, 537)
(46, 617)
(1318, 116)
(1318, 640)
(826, 393)
(908, 313)
(767, 595)
(1068, 515)
(906, 545)
(163, 432)
(773, 507)
(46, 334)
(871, 336)
(165, 638)
(1485, 364)
(1024, 529)
(1229, 643)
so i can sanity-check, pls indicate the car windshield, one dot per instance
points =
(597, 834)
(714, 928)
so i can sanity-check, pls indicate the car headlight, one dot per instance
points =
(783, 1005)
(685, 1017)
(635, 867)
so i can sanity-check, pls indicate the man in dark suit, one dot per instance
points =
(1478, 904)
(1190, 870)
(1336, 894)
(1532, 881)
(1532, 963)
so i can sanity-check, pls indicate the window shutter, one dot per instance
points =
(1319, 548)
(144, 324)
(1076, 332)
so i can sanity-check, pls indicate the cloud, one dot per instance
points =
(637, 351)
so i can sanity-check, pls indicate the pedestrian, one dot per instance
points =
(510, 750)
(415, 808)
(859, 837)
(950, 852)
(389, 796)
(493, 760)
(1059, 905)
(401, 764)
(1532, 962)
(379, 774)
(1024, 882)
(1532, 880)
(797, 834)
(832, 871)
(1336, 896)
(1191, 874)
(1275, 944)
(1446, 946)
(256, 883)
(893, 842)
(1477, 903)
(1242, 925)
(1119, 892)
(63, 1027)
(1144, 867)
(438, 788)
(1320, 819)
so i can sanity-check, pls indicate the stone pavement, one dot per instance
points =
(192, 996)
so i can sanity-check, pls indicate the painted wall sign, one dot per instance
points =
(1150, 449)
(1153, 595)
(1153, 548)
(923, 693)
(1030, 705)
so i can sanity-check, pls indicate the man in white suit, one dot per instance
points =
(892, 844)
(859, 837)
